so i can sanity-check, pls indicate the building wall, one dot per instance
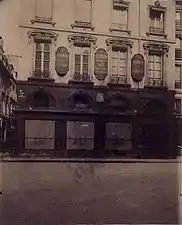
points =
(64, 15)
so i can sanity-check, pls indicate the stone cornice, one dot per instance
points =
(117, 42)
(82, 39)
(42, 35)
(156, 47)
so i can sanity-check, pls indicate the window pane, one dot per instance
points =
(83, 10)
(38, 56)
(77, 63)
(44, 10)
(47, 47)
(38, 47)
(46, 56)
(38, 65)
(46, 66)
(85, 63)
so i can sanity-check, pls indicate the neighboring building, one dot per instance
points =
(96, 77)
(178, 65)
(8, 97)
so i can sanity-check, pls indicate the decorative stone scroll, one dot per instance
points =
(101, 64)
(119, 43)
(156, 47)
(42, 35)
(82, 40)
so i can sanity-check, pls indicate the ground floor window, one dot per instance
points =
(118, 136)
(80, 135)
(39, 134)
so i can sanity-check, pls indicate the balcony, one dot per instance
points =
(84, 79)
(158, 31)
(38, 75)
(118, 81)
(155, 82)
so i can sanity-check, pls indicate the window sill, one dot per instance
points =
(120, 30)
(43, 21)
(82, 25)
(156, 34)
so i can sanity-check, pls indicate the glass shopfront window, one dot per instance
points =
(80, 135)
(118, 136)
(39, 134)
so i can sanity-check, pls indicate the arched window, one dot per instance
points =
(101, 64)
(62, 61)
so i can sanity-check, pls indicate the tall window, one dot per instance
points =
(178, 105)
(178, 54)
(155, 70)
(119, 66)
(178, 76)
(43, 11)
(42, 59)
(83, 12)
(82, 61)
(120, 16)
(156, 21)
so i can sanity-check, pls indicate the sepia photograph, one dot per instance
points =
(90, 112)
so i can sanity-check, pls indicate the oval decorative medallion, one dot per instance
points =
(101, 64)
(62, 61)
(137, 67)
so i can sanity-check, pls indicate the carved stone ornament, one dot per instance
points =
(62, 61)
(101, 64)
(157, 6)
(120, 43)
(42, 35)
(82, 40)
(156, 47)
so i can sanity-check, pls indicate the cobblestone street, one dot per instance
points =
(61, 193)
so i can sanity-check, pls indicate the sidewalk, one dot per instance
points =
(88, 160)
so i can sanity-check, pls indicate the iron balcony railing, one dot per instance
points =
(118, 79)
(157, 30)
(85, 77)
(155, 82)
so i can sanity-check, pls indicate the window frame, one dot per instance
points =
(42, 72)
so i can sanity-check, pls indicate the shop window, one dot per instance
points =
(80, 135)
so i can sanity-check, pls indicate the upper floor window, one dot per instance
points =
(157, 19)
(178, 71)
(119, 66)
(178, 105)
(82, 63)
(155, 70)
(43, 11)
(42, 59)
(119, 16)
(83, 13)
(178, 54)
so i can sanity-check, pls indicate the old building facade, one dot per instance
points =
(8, 97)
(95, 76)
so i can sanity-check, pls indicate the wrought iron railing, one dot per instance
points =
(155, 82)
(118, 79)
(157, 30)
(85, 77)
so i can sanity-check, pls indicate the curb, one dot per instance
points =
(68, 160)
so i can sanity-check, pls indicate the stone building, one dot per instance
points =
(96, 77)
(178, 65)
(8, 97)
